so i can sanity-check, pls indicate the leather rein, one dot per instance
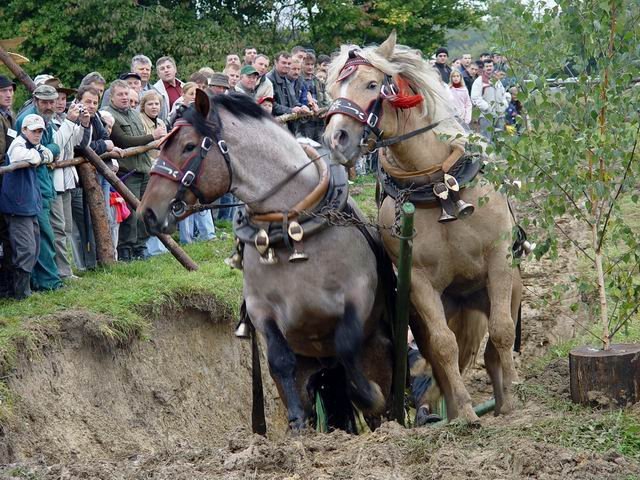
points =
(187, 177)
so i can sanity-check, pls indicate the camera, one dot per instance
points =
(81, 108)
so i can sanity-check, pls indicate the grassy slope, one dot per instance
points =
(124, 291)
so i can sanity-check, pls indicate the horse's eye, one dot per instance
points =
(189, 147)
(372, 85)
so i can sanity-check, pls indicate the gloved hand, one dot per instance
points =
(46, 154)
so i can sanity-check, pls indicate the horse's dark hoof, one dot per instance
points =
(425, 417)
(297, 425)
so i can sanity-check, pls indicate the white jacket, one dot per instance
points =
(164, 110)
(67, 136)
(490, 98)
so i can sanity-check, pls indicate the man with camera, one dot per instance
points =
(71, 130)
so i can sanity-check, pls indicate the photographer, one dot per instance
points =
(71, 130)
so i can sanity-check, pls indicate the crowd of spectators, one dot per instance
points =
(483, 85)
(45, 221)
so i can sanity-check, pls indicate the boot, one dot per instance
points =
(124, 254)
(6, 283)
(21, 284)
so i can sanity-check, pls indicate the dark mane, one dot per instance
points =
(240, 105)
(237, 104)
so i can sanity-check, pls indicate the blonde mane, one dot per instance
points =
(422, 77)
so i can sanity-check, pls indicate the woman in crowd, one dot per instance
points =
(460, 96)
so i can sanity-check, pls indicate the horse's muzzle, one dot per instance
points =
(155, 225)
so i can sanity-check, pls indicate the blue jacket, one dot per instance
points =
(45, 174)
(20, 189)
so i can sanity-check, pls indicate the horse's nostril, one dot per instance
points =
(340, 138)
(150, 218)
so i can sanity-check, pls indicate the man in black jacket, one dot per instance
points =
(285, 100)
(442, 55)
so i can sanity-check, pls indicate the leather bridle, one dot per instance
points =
(372, 116)
(187, 177)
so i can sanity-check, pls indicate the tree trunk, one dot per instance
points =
(133, 202)
(95, 199)
(605, 377)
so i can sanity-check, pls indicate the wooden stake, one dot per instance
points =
(16, 70)
(95, 199)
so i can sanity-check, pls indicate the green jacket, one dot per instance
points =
(128, 131)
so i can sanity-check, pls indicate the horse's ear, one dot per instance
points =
(387, 47)
(202, 103)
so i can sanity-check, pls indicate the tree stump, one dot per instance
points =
(605, 377)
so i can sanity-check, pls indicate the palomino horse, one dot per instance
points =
(329, 306)
(462, 271)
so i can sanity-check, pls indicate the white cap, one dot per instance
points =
(33, 122)
(41, 79)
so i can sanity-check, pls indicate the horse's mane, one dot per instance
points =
(238, 104)
(422, 77)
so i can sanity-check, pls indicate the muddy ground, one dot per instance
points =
(177, 406)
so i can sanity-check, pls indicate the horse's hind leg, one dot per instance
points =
(348, 341)
(282, 365)
(501, 327)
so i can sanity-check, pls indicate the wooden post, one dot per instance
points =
(605, 376)
(95, 198)
(133, 202)
(402, 313)
(16, 70)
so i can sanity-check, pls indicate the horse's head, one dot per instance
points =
(193, 165)
(366, 96)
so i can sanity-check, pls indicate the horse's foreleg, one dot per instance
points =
(501, 326)
(348, 342)
(494, 369)
(440, 347)
(282, 365)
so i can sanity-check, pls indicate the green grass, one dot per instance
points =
(363, 191)
(125, 292)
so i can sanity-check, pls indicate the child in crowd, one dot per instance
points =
(21, 201)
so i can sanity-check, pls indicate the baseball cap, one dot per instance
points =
(261, 100)
(45, 92)
(219, 80)
(248, 70)
(6, 82)
(124, 76)
(33, 122)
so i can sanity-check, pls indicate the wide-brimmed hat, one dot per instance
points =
(33, 122)
(6, 82)
(248, 70)
(219, 80)
(45, 92)
(57, 84)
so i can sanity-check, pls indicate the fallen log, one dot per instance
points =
(133, 202)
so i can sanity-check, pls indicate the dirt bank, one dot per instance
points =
(80, 396)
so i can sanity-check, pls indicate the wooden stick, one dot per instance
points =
(72, 162)
(133, 202)
(16, 70)
(291, 117)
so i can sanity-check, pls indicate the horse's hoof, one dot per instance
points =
(297, 425)
(425, 417)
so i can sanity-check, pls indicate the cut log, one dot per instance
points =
(605, 377)
(96, 201)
